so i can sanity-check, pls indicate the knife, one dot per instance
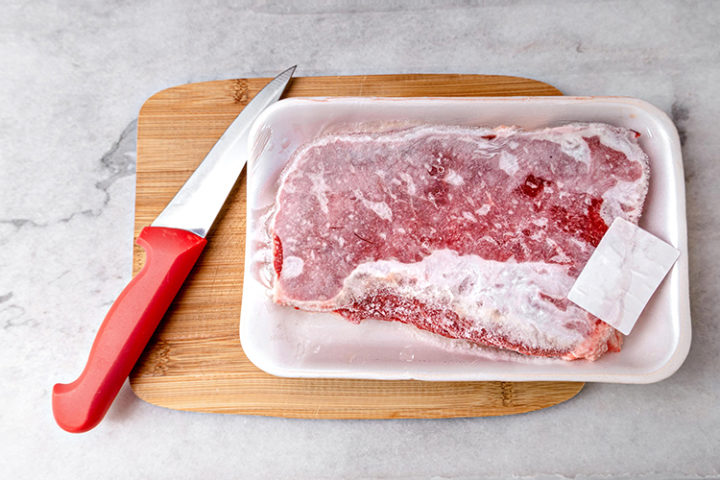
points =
(172, 243)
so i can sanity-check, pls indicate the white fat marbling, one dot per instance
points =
(453, 178)
(381, 209)
(508, 163)
(484, 209)
(292, 266)
(74, 76)
(319, 189)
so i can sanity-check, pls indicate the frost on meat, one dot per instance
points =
(470, 233)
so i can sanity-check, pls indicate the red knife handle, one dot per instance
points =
(127, 328)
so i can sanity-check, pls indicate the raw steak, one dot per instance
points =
(471, 233)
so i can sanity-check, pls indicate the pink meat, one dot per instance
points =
(469, 233)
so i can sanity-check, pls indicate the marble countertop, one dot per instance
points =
(74, 77)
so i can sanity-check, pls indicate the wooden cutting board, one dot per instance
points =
(195, 360)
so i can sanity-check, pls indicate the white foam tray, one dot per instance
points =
(287, 342)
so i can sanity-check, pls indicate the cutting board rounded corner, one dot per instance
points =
(182, 95)
(139, 393)
(195, 361)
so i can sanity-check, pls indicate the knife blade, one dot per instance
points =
(173, 243)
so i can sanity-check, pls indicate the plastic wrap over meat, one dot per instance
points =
(470, 233)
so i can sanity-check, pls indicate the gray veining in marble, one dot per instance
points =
(74, 75)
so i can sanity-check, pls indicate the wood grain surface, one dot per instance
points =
(195, 360)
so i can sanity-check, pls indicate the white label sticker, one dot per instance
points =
(622, 274)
